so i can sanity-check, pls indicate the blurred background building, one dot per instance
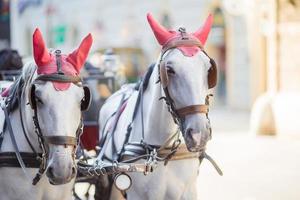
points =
(253, 42)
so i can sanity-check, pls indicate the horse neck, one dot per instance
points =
(158, 122)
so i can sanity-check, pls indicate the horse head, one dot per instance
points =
(186, 74)
(57, 98)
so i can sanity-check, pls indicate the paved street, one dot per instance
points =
(255, 168)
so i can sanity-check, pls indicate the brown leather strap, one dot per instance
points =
(187, 42)
(181, 153)
(164, 79)
(59, 78)
(193, 109)
(61, 140)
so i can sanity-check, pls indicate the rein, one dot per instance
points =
(172, 149)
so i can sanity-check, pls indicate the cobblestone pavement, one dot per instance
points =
(255, 167)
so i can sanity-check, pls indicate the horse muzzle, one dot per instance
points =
(61, 169)
(57, 179)
(196, 141)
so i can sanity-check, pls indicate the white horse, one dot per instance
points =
(57, 105)
(186, 73)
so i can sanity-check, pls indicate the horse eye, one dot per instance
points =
(170, 70)
(39, 100)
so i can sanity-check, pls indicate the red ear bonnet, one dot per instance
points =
(40, 52)
(163, 35)
(203, 32)
(77, 58)
(71, 64)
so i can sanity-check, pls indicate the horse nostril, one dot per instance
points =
(74, 170)
(188, 132)
(50, 172)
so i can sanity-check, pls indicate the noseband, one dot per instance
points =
(179, 114)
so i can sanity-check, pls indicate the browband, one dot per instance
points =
(59, 78)
(177, 42)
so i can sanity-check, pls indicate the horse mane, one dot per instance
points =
(17, 88)
(146, 78)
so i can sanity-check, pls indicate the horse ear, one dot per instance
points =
(161, 33)
(203, 32)
(40, 51)
(77, 58)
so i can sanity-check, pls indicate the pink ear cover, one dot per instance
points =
(202, 33)
(163, 35)
(71, 64)
(77, 58)
(40, 51)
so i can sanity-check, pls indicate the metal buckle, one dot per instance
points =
(183, 33)
(58, 62)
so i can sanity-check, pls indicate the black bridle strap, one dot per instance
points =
(22, 124)
(9, 159)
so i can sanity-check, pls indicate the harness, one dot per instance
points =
(172, 149)
(34, 159)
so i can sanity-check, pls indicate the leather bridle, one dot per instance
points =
(179, 114)
(35, 159)
(171, 149)
(44, 141)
